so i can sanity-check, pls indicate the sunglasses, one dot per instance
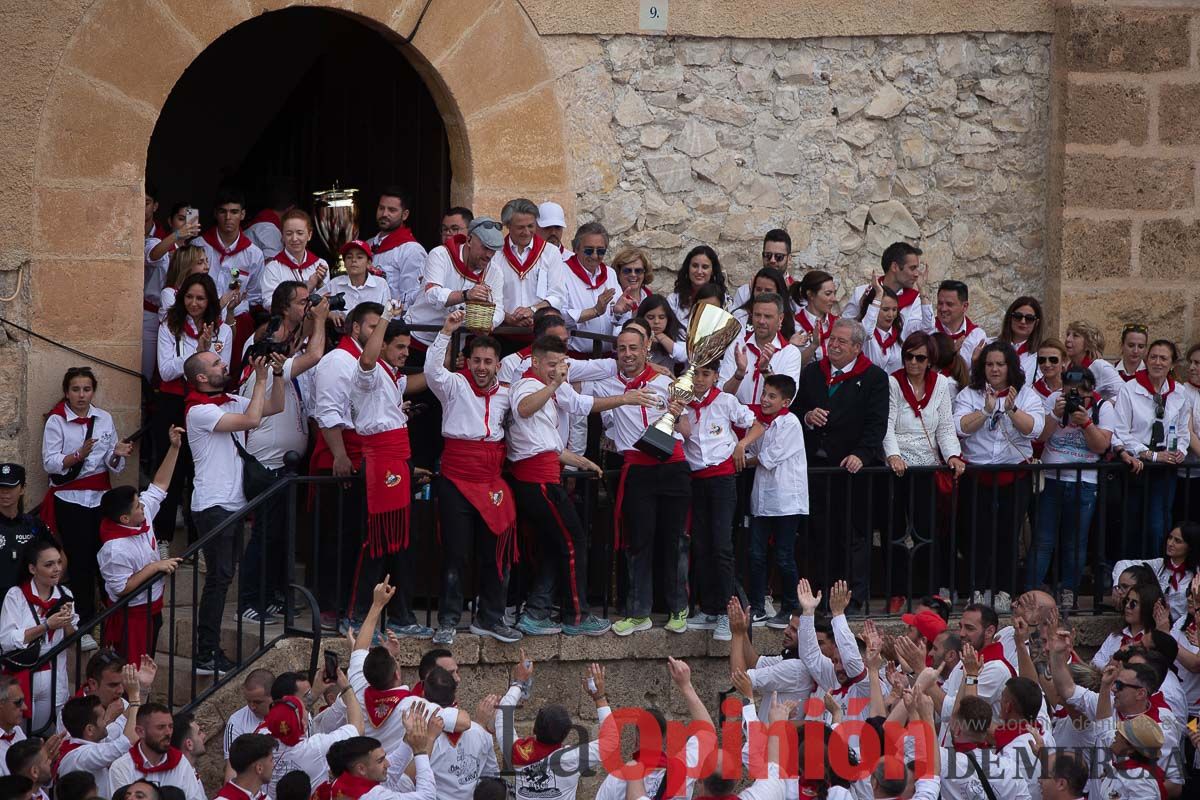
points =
(1019, 317)
(775, 257)
(1047, 359)
(496, 226)
(920, 358)
(629, 270)
(1119, 685)
(594, 251)
(1134, 329)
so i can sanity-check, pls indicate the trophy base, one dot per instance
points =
(656, 443)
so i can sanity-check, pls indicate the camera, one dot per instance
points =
(267, 346)
(337, 302)
(1074, 402)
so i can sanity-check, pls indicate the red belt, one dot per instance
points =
(473, 466)
(540, 468)
(636, 458)
(716, 470)
(99, 482)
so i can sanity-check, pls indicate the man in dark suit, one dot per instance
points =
(843, 402)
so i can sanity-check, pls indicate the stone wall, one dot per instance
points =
(849, 143)
(1130, 239)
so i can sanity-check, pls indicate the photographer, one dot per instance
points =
(1079, 429)
(297, 332)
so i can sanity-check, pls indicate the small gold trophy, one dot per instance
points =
(335, 213)
(711, 331)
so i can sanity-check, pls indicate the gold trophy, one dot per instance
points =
(711, 331)
(335, 213)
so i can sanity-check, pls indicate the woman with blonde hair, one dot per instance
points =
(1085, 348)
(635, 273)
(186, 261)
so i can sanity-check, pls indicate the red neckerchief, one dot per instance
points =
(401, 235)
(214, 241)
(1178, 573)
(391, 373)
(347, 345)
(111, 531)
(351, 785)
(60, 410)
(1005, 734)
(966, 747)
(525, 352)
(8, 737)
(995, 652)
(910, 397)
(1041, 388)
(529, 373)
(968, 326)
(487, 395)
(713, 394)
(195, 398)
(418, 689)
(1139, 761)
(159, 232)
(174, 756)
(535, 252)
(752, 346)
(861, 365)
(765, 418)
(37, 602)
(906, 297)
(889, 342)
(267, 215)
(189, 330)
(1143, 379)
(231, 791)
(581, 273)
(285, 258)
(454, 246)
(381, 703)
(1022, 349)
(845, 685)
(822, 329)
(643, 378)
(530, 751)
(1130, 638)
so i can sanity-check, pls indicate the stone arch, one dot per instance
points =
(482, 60)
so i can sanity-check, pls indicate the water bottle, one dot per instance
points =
(1172, 439)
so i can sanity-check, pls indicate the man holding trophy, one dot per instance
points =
(655, 489)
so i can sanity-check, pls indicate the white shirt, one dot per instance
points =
(307, 755)
(543, 281)
(967, 342)
(439, 281)
(18, 734)
(613, 788)
(123, 772)
(1135, 417)
(376, 397)
(712, 440)
(906, 432)
(62, 437)
(248, 263)
(1108, 380)
(121, 559)
(626, 424)
(821, 666)
(278, 433)
(465, 414)
(1190, 680)
(557, 775)
(1003, 444)
(166, 299)
(457, 768)
(16, 617)
(154, 272)
(1069, 446)
(402, 268)
(424, 789)
(267, 236)
(218, 480)
(917, 315)
(784, 361)
(786, 676)
(240, 722)
(582, 296)
(960, 781)
(781, 478)
(335, 375)
(372, 290)
(173, 350)
(282, 268)
(96, 758)
(540, 432)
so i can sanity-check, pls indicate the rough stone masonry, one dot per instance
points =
(849, 143)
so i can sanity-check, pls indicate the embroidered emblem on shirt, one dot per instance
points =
(715, 430)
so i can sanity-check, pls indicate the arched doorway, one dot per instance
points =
(301, 98)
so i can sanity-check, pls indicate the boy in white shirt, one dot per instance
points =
(779, 497)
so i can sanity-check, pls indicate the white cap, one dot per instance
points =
(550, 215)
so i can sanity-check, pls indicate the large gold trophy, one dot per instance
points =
(335, 212)
(711, 331)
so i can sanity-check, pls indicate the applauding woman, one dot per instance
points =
(80, 450)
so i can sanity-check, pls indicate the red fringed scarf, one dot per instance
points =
(522, 268)
(473, 466)
(389, 491)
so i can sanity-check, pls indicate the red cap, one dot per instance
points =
(928, 624)
(285, 720)
(360, 244)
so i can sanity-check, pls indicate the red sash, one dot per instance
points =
(214, 241)
(540, 468)
(968, 326)
(530, 751)
(636, 458)
(310, 260)
(726, 467)
(454, 247)
(535, 252)
(97, 482)
(350, 785)
(322, 457)
(394, 239)
(380, 703)
(861, 365)
(473, 467)
(995, 652)
(1136, 761)
(581, 273)
(129, 630)
(910, 397)
(174, 756)
(267, 215)
(389, 491)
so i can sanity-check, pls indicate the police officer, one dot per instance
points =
(16, 527)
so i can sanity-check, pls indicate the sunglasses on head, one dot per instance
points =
(594, 251)
(1019, 317)
(496, 226)
(1134, 328)
(776, 257)
(920, 358)
(1047, 359)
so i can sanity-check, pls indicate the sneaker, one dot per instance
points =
(259, 617)
(498, 631)
(414, 631)
(982, 597)
(216, 663)
(759, 618)
(164, 550)
(630, 625)
(896, 604)
(445, 636)
(329, 621)
(510, 615)
(345, 625)
(780, 620)
(1066, 599)
(591, 625)
(702, 622)
(721, 632)
(87, 643)
(532, 626)
(1002, 603)
(769, 606)
(677, 622)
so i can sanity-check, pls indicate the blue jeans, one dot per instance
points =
(1064, 512)
(783, 530)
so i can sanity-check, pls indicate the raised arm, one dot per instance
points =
(374, 345)
(681, 674)
(251, 418)
(315, 349)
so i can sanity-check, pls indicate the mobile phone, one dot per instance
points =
(192, 216)
(331, 666)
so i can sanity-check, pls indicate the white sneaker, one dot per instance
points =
(87, 644)
(768, 606)
(1002, 603)
(721, 632)
(201, 564)
(701, 621)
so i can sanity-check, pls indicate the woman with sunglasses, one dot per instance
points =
(634, 276)
(1153, 428)
(998, 418)
(1022, 328)
(1137, 615)
(920, 433)
(767, 280)
(1085, 348)
(1177, 567)
(1050, 363)
(701, 266)
(1134, 339)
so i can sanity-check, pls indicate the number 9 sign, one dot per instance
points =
(654, 15)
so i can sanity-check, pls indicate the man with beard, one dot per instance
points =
(215, 421)
(901, 267)
(830, 651)
(153, 759)
(86, 749)
(396, 250)
(366, 764)
(533, 268)
(783, 676)
(551, 222)
(477, 509)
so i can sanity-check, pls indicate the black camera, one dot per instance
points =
(267, 346)
(337, 302)
(1074, 402)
